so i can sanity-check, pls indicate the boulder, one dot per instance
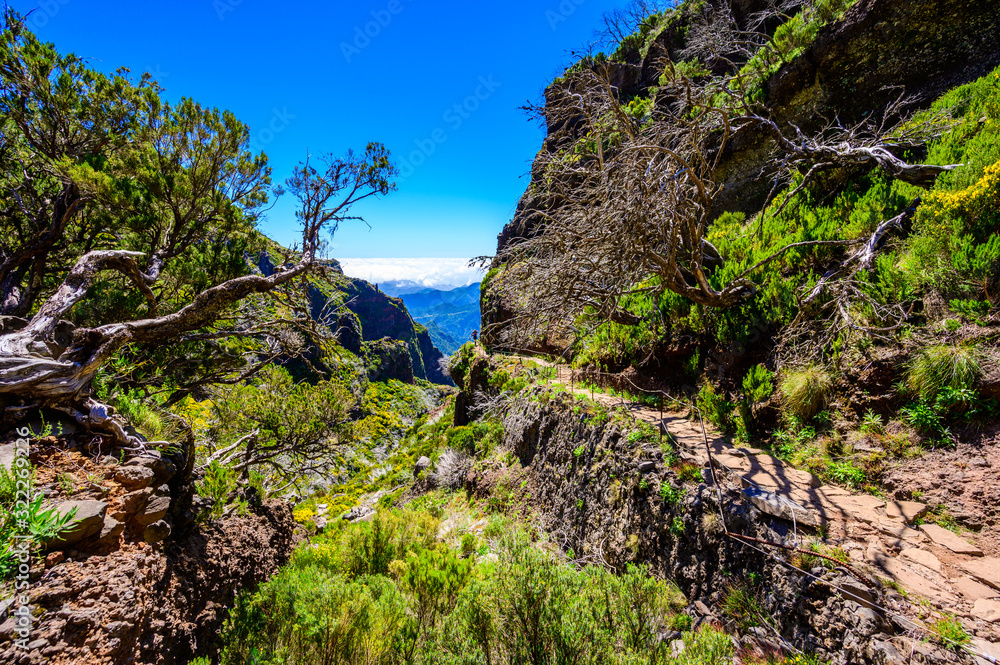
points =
(156, 532)
(132, 503)
(162, 470)
(774, 505)
(112, 530)
(134, 477)
(388, 359)
(973, 590)
(88, 521)
(155, 510)
(985, 570)
(908, 510)
(986, 609)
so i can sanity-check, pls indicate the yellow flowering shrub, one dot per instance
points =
(303, 515)
(199, 415)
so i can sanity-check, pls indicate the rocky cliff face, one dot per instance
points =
(163, 605)
(134, 578)
(600, 497)
(382, 316)
(880, 50)
(360, 314)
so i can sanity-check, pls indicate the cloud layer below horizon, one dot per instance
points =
(430, 273)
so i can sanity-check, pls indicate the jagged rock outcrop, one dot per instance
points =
(433, 358)
(135, 577)
(382, 316)
(388, 359)
(157, 605)
(879, 50)
(359, 313)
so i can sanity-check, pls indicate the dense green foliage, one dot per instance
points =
(389, 592)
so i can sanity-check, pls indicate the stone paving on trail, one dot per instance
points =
(880, 536)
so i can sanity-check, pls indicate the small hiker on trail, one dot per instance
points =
(475, 336)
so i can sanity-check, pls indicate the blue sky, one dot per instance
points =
(305, 76)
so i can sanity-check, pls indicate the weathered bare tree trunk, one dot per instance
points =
(37, 371)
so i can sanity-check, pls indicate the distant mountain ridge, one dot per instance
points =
(449, 316)
(404, 287)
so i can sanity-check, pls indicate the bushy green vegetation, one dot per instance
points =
(758, 384)
(951, 632)
(479, 438)
(715, 408)
(389, 592)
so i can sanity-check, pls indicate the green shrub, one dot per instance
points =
(433, 578)
(708, 646)
(218, 485)
(479, 438)
(872, 424)
(433, 606)
(925, 419)
(310, 615)
(937, 367)
(951, 632)
(43, 523)
(671, 495)
(794, 439)
(689, 472)
(714, 407)
(847, 473)
(144, 417)
(971, 309)
(805, 391)
(758, 384)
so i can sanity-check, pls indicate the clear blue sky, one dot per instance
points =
(284, 66)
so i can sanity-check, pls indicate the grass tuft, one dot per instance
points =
(805, 390)
(944, 366)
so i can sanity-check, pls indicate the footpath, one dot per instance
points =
(934, 568)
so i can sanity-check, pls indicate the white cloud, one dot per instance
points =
(431, 273)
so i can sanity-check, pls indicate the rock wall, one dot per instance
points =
(878, 51)
(135, 577)
(151, 604)
(599, 496)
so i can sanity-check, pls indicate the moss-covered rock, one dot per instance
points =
(388, 359)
